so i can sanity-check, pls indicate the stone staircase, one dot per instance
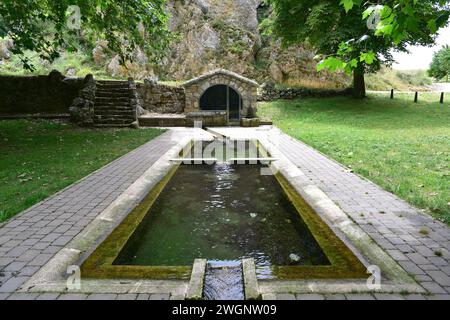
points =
(114, 104)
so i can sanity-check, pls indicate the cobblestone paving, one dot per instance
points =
(30, 240)
(419, 243)
(357, 297)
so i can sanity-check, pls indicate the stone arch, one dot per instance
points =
(222, 97)
(245, 88)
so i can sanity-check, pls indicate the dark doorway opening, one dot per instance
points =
(222, 98)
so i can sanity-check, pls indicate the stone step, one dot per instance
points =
(106, 125)
(113, 88)
(110, 103)
(111, 81)
(113, 108)
(115, 121)
(115, 112)
(113, 115)
(120, 100)
(113, 94)
(113, 84)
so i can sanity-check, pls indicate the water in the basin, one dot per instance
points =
(226, 213)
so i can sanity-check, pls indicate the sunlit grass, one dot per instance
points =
(39, 158)
(400, 145)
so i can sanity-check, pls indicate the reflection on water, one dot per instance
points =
(225, 213)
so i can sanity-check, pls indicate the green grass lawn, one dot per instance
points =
(39, 158)
(402, 146)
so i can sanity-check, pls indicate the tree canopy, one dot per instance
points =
(355, 36)
(47, 26)
(440, 66)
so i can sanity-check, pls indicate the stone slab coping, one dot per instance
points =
(196, 284)
(200, 160)
(207, 113)
(53, 276)
(251, 288)
(254, 159)
(220, 72)
(163, 116)
(369, 253)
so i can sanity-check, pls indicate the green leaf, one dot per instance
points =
(348, 4)
(320, 66)
(408, 10)
(353, 63)
(368, 12)
(367, 57)
(331, 63)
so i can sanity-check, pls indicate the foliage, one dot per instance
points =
(398, 144)
(344, 38)
(399, 22)
(325, 27)
(440, 66)
(47, 26)
(78, 61)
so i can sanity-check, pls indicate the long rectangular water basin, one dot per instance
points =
(223, 212)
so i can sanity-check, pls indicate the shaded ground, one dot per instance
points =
(39, 158)
(402, 146)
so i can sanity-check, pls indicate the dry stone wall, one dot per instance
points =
(269, 92)
(159, 98)
(52, 94)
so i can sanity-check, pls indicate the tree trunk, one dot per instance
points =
(359, 84)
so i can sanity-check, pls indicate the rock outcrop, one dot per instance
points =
(211, 34)
(226, 34)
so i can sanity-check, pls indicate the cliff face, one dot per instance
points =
(225, 34)
(211, 34)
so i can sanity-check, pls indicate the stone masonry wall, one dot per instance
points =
(52, 94)
(82, 108)
(194, 90)
(159, 98)
(269, 92)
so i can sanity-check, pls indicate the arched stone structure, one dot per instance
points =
(244, 87)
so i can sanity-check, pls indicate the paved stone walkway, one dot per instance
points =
(31, 239)
(419, 243)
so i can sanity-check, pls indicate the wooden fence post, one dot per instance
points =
(416, 97)
(442, 98)
(392, 94)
